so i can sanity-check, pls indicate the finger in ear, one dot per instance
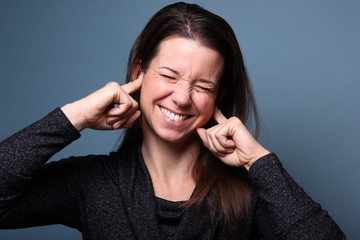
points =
(136, 69)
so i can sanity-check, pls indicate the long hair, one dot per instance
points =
(222, 188)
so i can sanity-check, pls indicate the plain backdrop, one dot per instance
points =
(303, 58)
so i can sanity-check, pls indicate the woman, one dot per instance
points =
(187, 169)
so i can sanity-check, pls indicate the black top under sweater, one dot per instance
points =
(112, 197)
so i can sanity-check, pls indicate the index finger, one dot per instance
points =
(218, 116)
(133, 86)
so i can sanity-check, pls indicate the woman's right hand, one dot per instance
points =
(108, 108)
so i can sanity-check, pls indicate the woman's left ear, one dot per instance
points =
(220, 96)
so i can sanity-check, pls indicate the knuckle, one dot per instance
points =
(218, 136)
(127, 102)
(234, 119)
(112, 84)
(135, 104)
(211, 134)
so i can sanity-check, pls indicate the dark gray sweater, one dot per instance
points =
(111, 196)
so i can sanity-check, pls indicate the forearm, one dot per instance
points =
(24, 152)
(284, 210)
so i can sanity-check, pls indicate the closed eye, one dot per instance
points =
(167, 76)
(204, 89)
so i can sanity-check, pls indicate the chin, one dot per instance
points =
(178, 138)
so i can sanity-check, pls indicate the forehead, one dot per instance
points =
(188, 56)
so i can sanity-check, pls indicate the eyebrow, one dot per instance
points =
(170, 69)
(177, 73)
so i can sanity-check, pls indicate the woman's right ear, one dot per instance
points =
(136, 69)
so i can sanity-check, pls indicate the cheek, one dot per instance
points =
(205, 104)
(152, 89)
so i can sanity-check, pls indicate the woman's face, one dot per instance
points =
(179, 89)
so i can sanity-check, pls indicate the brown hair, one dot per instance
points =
(222, 188)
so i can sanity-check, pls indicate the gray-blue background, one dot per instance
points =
(303, 58)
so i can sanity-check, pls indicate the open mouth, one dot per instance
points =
(172, 116)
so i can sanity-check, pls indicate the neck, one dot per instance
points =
(170, 166)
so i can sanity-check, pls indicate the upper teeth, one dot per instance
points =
(172, 115)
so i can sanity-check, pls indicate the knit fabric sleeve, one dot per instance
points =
(21, 157)
(284, 210)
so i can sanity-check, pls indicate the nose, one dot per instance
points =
(181, 94)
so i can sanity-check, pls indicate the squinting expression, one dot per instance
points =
(179, 89)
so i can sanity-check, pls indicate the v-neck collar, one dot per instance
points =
(142, 209)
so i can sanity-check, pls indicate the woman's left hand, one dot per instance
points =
(231, 141)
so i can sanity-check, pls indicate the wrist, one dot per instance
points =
(74, 116)
(261, 153)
